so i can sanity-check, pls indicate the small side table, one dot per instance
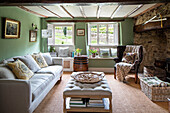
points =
(81, 63)
(68, 63)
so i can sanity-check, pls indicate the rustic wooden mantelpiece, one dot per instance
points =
(152, 26)
(81, 63)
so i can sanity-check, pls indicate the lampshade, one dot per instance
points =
(46, 33)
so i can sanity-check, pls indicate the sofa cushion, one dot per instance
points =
(40, 60)
(6, 73)
(20, 70)
(38, 83)
(30, 62)
(47, 58)
(55, 70)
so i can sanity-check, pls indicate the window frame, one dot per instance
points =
(62, 24)
(107, 38)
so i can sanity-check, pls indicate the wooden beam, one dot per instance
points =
(133, 11)
(115, 11)
(49, 2)
(98, 11)
(50, 11)
(152, 26)
(82, 11)
(85, 20)
(155, 6)
(66, 11)
(28, 10)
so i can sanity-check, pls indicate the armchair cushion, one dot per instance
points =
(129, 58)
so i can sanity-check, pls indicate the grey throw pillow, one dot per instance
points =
(63, 52)
(29, 61)
(47, 58)
(6, 73)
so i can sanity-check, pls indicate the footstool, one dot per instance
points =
(96, 90)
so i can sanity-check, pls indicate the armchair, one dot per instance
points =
(122, 50)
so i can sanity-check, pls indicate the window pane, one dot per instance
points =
(110, 34)
(63, 34)
(93, 39)
(102, 34)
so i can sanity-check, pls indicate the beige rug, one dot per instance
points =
(126, 98)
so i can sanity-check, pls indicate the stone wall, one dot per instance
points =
(156, 43)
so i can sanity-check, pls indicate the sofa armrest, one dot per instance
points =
(57, 61)
(15, 96)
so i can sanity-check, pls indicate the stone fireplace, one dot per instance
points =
(156, 43)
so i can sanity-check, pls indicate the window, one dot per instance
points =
(103, 34)
(62, 34)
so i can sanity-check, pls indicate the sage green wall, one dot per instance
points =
(126, 32)
(21, 46)
(126, 37)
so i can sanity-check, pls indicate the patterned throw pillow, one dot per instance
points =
(129, 58)
(40, 60)
(20, 70)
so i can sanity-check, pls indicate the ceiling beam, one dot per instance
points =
(133, 11)
(98, 11)
(28, 10)
(155, 6)
(51, 11)
(114, 12)
(82, 11)
(60, 2)
(66, 11)
(119, 20)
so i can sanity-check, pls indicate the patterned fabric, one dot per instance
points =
(129, 58)
(104, 52)
(40, 60)
(122, 69)
(20, 70)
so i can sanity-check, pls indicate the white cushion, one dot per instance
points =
(63, 52)
(113, 52)
(6, 73)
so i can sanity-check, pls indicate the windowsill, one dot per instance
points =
(102, 58)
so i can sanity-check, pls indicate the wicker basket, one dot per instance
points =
(158, 91)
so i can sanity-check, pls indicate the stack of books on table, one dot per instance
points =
(95, 103)
(77, 102)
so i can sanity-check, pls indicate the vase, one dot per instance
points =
(93, 54)
(78, 54)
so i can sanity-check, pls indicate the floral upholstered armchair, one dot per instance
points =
(128, 59)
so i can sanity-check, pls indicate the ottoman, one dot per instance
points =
(97, 90)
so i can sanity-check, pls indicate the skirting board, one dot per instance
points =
(106, 70)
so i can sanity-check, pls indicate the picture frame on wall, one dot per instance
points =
(11, 29)
(33, 36)
(80, 32)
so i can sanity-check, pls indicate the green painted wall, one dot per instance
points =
(126, 32)
(21, 46)
(126, 37)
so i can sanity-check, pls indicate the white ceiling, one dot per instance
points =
(108, 11)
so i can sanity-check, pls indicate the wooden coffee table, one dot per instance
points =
(97, 90)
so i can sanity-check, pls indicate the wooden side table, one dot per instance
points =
(81, 63)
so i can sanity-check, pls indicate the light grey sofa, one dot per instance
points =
(23, 96)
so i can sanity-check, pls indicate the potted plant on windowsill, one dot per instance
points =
(93, 51)
(52, 51)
